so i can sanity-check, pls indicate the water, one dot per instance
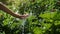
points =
(23, 25)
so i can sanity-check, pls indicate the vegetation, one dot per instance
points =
(44, 17)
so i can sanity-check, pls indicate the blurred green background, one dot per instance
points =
(44, 17)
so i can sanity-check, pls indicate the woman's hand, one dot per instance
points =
(24, 16)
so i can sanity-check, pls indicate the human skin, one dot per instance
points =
(7, 10)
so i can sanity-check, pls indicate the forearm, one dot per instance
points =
(5, 9)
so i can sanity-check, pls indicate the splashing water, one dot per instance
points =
(23, 25)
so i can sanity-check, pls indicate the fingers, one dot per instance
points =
(24, 16)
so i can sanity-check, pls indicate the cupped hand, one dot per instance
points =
(24, 16)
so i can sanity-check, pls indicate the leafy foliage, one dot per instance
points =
(44, 17)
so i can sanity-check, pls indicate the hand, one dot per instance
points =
(24, 16)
